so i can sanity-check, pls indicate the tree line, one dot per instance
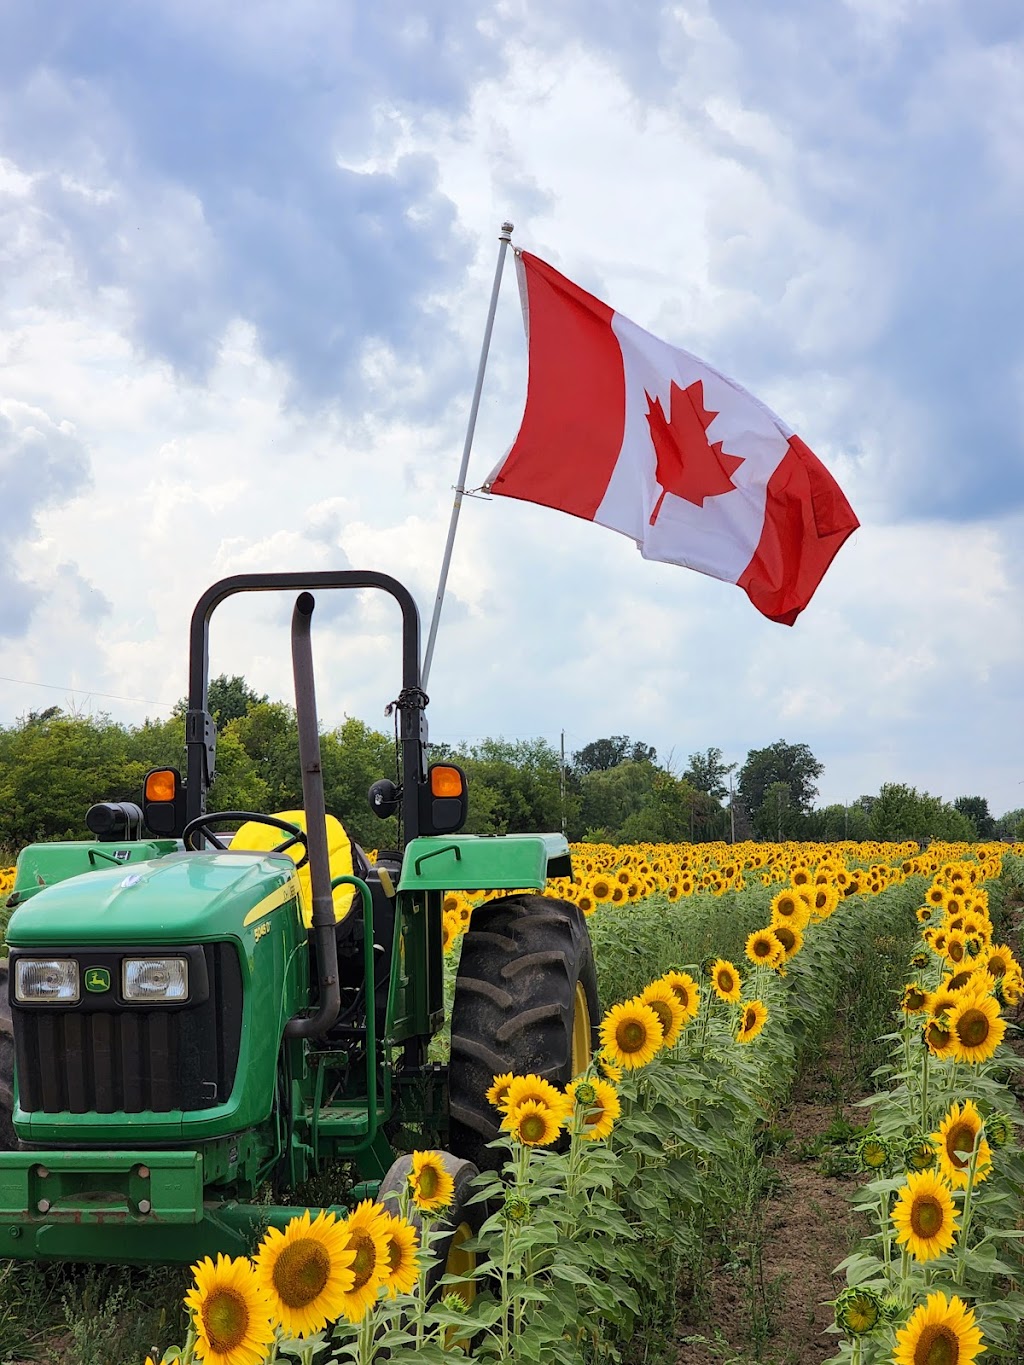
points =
(55, 764)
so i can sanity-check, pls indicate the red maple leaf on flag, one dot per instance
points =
(688, 464)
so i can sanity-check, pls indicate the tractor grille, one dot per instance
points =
(132, 1060)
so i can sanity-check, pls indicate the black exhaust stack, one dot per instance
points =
(324, 943)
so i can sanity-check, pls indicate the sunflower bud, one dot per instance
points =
(919, 1153)
(453, 1303)
(892, 1307)
(998, 1129)
(516, 1210)
(860, 1310)
(873, 1152)
(585, 1093)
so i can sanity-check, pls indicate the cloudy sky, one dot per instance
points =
(245, 257)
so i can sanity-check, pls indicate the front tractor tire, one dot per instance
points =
(8, 1140)
(526, 1002)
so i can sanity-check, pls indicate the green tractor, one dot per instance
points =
(194, 1025)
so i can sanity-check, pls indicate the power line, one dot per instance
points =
(89, 692)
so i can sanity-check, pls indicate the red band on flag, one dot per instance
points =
(806, 521)
(571, 432)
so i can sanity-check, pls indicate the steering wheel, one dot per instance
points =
(201, 825)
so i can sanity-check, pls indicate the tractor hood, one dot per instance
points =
(184, 897)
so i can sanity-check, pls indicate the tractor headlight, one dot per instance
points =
(155, 978)
(38, 980)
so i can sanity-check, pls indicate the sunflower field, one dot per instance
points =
(727, 973)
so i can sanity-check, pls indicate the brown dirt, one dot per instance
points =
(807, 1227)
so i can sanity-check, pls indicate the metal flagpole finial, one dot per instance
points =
(505, 235)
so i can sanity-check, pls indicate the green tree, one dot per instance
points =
(775, 817)
(901, 812)
(610, 796)
(269, 734)
(976, 810)
(602, 754)
(515, 787)
(353, 757)
(792, 764)
(708, 773)
(53, 767)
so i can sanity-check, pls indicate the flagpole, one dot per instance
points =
(504, 237)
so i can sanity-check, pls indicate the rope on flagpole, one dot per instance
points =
(504, 238)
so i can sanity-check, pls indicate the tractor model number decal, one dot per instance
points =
(262, 929)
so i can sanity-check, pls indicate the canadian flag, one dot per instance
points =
(642, 437)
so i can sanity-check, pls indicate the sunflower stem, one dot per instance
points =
(366, 1334)
(421, 1287)
(883, 1218)
(965, 1226)
(188, 1350)
(906, 1293)
(924, 1090)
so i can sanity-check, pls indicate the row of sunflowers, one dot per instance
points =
(634, 1156)
(935, 1280)
(611, 1186)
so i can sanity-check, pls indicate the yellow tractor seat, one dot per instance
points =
(257, 838)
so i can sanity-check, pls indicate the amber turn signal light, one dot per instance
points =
(445, 781)
(161, 784)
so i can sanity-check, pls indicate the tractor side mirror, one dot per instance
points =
(444, 800)
(163, 802)
(384, 797)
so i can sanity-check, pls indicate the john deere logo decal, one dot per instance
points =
(97, 979)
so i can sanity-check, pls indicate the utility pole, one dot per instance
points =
(561, 782)
(732, 807)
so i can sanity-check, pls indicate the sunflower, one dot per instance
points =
(631, 1034)
(753, 1016)
(999, 960)
(955, 949)
(366, 1234)
(304, 1271)
(924, 1217)
(661, 998)
(403, 1270)
(958, 1132)
(686, 991)
(764, 949)
(601, 888)
(498, 1093)
(939, 1038)
(977, 1029)
(230, 1312)
(536, 1088)
(533, 1123)
(609, 1069)
(940, 1332)
(915, 998)
(824, 902)
(430, 1181)
(600, 1102)
(726, 981)
(790, 937)
(790, 908)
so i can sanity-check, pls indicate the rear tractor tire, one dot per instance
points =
(8, 1140)
(526, 1002)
